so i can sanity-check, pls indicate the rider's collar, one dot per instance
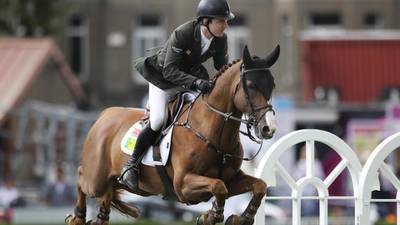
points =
(205, 42)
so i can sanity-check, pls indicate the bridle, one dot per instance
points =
(251, 120)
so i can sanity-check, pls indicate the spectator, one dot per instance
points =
(9, 195)
(60, 193)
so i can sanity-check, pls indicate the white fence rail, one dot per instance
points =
(364, 179)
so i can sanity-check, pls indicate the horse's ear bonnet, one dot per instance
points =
(273, 56)
(246, 57)
(260, 76)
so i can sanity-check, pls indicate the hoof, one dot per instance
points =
(68, 218)
(73, 220)
(97, 222)
(246, 220)
(219, 218)
(203, 220)
(233, 220)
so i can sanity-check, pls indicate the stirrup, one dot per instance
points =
(131, 167)
(131, 180)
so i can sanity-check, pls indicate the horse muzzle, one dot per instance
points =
(267, 126)
(265, 132)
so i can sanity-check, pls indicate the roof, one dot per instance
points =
(21, 61)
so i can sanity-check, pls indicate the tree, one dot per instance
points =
(31, 18)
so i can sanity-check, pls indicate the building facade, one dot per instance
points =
(103, 37)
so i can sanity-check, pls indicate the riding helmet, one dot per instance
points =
(214, 9)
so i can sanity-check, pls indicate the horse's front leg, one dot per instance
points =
(197, 188)
(240, 184)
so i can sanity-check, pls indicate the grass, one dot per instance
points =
(153, 222)
(139, 222)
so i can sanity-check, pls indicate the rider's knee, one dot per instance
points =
(156, 123)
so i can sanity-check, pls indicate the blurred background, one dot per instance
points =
(63, 61)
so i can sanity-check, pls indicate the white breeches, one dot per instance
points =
(158, 100)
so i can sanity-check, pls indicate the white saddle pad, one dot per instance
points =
(129, 141)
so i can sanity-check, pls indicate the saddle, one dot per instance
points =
(175, 106)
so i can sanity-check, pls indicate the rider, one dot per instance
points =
(176, 67)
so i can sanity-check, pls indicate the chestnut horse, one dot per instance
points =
(206, 153)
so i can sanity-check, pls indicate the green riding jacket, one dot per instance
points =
(179, 62)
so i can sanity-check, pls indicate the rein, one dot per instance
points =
(227, 116)
(251, 121)
(248, 122)
(199, 135)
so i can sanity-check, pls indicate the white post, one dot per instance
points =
(310, 158)
(259, 218)
(398, 207)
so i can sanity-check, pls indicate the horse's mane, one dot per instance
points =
(223, 69)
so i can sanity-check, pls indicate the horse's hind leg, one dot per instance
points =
(79, 217)
(242, 183)
(196, 187)
(104, 209)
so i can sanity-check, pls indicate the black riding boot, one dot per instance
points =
(131, 169)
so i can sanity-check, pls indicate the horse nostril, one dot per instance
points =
(265, 129)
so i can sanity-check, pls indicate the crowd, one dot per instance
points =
(57, 192)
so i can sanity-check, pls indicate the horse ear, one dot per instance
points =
(246, 56)
(273, 56)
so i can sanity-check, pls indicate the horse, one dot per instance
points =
(206, 154)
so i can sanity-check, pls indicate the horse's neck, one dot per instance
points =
(221, 131)
(223, 93)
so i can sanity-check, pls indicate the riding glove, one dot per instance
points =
(203, 86)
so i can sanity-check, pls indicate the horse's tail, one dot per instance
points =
(122, 206)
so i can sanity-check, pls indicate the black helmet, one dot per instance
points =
(214, 9)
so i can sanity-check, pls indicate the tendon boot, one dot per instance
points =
(130, 176)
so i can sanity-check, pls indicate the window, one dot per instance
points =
(328, 20)
(238, 37)
(373, 20)
(146, 39)
(78, 46)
